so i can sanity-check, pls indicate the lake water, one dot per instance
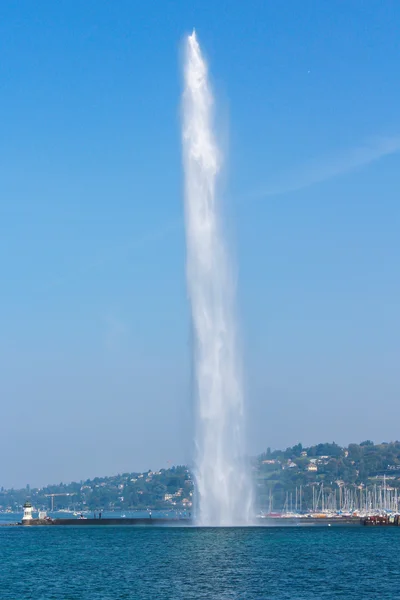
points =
(155, 563)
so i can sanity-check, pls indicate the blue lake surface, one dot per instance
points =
(143, 563)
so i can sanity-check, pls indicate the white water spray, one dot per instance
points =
(223, 487)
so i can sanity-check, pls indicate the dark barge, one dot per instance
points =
(381, 520)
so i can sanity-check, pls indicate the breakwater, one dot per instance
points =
(188, 522)
(107, 521)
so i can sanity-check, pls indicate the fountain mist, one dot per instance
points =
(223, 488)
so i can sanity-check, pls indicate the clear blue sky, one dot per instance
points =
(95, 344)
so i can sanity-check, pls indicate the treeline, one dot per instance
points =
(279, 477)
(119, 492)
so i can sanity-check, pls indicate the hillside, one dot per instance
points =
(292, 479)
(355, 471)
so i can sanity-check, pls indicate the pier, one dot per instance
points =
(389, 520)
(107, 521)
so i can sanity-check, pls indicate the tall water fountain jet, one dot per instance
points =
(222, 482)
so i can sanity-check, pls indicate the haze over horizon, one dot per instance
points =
(95, 345)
